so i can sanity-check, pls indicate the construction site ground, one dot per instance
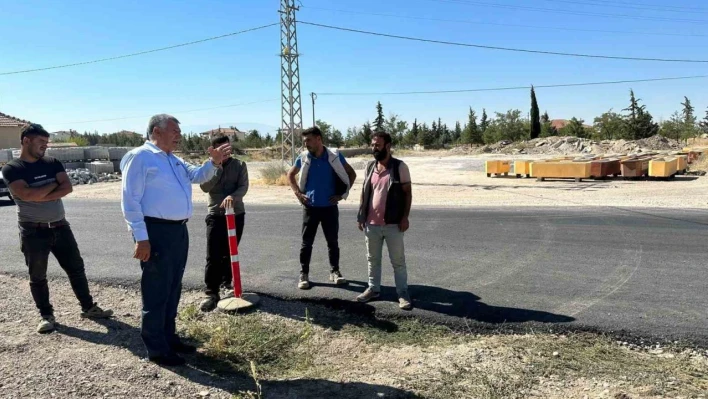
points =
(442, 179)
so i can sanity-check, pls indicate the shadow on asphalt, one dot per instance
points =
(213, 372)
(459, 304)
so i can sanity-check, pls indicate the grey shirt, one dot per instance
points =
(35, 174)
(231, 179)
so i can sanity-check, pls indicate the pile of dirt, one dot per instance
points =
(573, 145)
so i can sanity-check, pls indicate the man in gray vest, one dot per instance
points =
(383, 215)
(226, 190)
(325, 179)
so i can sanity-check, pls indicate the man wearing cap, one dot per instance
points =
(157, 202)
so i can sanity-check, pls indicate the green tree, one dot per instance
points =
(640, 124)
(610, 126)
(380, 120)
(326, 130)
(336, 139)
(396, 128)
(508, 126)
(425, 136)
(704, 124)
(535, 116)
(366, 134)
(472, 134)
(575, 128)
(673, 127)
(411, 138)
(457, 133)
(353, 138)
(690, 129)
(547, 128)
(484, 122)
(253, 140)
(268, 141)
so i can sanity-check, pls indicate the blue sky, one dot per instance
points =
(246, 68)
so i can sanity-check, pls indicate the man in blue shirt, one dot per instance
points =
(325, 179)
(156, 203)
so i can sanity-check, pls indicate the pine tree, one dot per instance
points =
(640, 124)
(366, 133)
(689, 119)
(484, 122)
(380, 119)
(535, 118)
(457, 135)
(411, 137)
(704, 123)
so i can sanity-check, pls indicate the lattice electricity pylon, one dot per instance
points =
(291, 101)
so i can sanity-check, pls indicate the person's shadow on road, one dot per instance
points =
(213, 372)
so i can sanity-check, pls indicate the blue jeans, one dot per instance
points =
(161, 286)
(392, 235)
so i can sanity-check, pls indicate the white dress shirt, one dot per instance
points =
(159, 185)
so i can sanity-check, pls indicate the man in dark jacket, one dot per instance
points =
(226, 190)
(383, 215)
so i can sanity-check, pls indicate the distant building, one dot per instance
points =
(10, 131)
(60, 135)
(226, 132)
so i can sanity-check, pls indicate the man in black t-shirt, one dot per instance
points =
(38, 184)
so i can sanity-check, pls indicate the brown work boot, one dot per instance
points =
(367, 295)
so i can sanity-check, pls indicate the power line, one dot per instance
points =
(138, 53)
(518, 50)
(174, 112)
(635, 6)
(549, 86)
(657, 6)
(570, 12)
(501, 24)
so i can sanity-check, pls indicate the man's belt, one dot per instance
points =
(44, 225)
(149, 219)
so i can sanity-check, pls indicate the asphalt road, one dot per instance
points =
(642, 271)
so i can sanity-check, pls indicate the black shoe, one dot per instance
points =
(168, 361)
(209, 303)
(183, 348)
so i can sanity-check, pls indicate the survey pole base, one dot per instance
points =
(236, 305)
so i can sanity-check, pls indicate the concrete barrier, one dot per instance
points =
(69, 154)
(73, 165)
(100, 167)
(601, 168)
(522, 167)
(662, 167)
(497, 167)
(117, 153)
(5, 156)
(91, 153)
(633, 168)
(561, 170)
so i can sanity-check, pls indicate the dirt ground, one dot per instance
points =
(336, 357)
(460, 181)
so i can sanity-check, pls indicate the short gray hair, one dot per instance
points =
(161, 121)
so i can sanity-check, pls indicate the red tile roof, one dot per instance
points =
(7, 120)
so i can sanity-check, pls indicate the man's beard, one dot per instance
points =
(380, 155)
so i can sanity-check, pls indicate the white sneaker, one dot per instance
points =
(304, 282)
(48, 324)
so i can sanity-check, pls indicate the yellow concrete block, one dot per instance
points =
(522, 167)
(497, 167)
(561, 170)
(662, 167)
(681, 163)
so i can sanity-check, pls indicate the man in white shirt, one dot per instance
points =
(156, 203)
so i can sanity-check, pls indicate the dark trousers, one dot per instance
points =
(36, 245)
(161, 286)
(311, 219)
(218, 253)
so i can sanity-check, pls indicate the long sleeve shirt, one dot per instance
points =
(158, 185)
(231, 179)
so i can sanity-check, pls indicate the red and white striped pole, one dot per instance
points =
(233, 246)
